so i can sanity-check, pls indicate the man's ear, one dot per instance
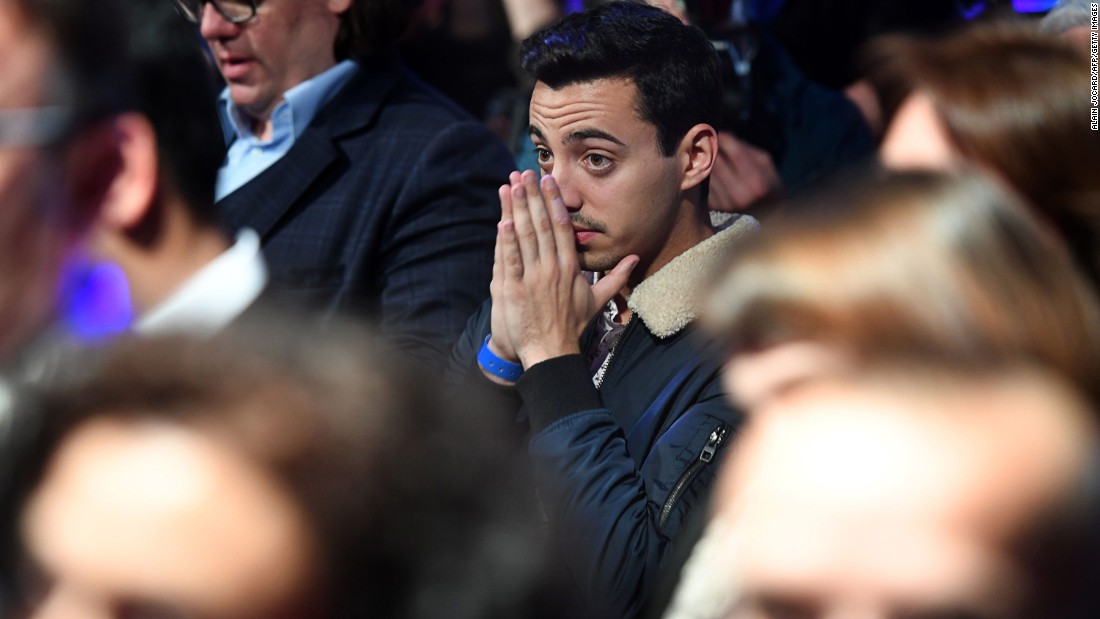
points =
(111, 169)
(698, 151)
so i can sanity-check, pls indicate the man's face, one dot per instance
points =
(286, 43)
(32, 225)
(153, 520)
(624, 195)
(851, 503)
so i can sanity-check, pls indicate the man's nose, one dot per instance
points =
(569, 195)
(213, 25)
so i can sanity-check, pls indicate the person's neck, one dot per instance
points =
(624, 312)
(261, 126)
(157, 262)
(256, 121)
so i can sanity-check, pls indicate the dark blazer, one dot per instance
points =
(385, 208)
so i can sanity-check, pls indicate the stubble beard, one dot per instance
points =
(597, 262)
(590, 259)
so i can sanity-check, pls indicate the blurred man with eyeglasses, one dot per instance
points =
(64, 144)
(128, 179)
(109, 148)
(372, 194)
(60, 90)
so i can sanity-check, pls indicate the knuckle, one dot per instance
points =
(544, 225)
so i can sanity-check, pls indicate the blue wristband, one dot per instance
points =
(495, 365)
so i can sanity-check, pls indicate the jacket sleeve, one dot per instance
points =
(462, 376)
(463, 358)
(438, 258)
(607, 505)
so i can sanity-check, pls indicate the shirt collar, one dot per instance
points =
(214, 296)
(293, 114)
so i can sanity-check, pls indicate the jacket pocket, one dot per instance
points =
(706, 456)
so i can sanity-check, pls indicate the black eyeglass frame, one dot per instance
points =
(35, 126)
(192, 10)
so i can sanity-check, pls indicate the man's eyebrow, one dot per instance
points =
(586, 134)
(577, 136)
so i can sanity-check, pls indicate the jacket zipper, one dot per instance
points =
(705, 457)
(615, 351)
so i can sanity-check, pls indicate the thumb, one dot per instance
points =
(611, 283)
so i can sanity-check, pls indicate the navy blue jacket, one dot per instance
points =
(619, 468)
(385, 208)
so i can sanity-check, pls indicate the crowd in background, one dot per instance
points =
(694, 309)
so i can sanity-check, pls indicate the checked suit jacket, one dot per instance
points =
(385, 208)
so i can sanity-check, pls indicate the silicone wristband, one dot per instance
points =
(495, 365)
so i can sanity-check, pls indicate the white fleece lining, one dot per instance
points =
(669, 300)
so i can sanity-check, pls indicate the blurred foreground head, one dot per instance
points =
(61, 68)
(917, 265)
(915, 492)
(263, 475)
(1004, 98)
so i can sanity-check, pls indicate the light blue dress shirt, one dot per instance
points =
(248, 155)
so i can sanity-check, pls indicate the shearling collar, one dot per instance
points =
(668, 300)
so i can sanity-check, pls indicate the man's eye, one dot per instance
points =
(597, 161)
(543, 155)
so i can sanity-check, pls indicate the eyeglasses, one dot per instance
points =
(235, 11)
(34, 126)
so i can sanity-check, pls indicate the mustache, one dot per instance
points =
(583, 221)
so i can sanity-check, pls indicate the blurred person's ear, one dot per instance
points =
(338, 7)
(112, 171)
(698, 151)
